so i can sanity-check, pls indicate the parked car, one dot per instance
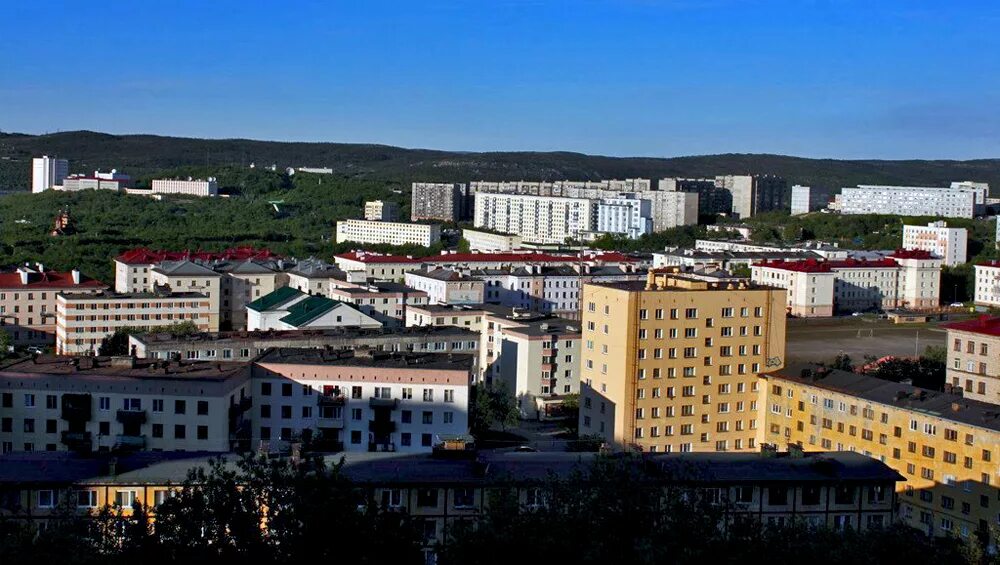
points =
(957, 305)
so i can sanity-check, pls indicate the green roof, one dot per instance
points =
(309, 309)
(276, 298)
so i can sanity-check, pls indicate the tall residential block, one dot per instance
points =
(537, 219)
(672, 363)
(961, 200)
(47, 172)
(448, 201)
(754, 194)
(712, 199)
(950, 244)
(807, 199)
(382, 211)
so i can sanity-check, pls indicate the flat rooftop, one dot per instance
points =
(304, 335)
(907, 397)
(368, 358)
(123, 367)
(111, 295)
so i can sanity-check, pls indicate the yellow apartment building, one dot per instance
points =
(672, 364)
(946, 446)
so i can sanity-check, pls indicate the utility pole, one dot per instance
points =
(916, 345)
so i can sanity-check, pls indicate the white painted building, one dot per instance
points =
(806, 199)
(988, 284)
(625, 215)
(47, 172)
(189, 187)
(381, 211)
(936, 237)
(446, 286)
(537, 219)
(958, 201)
(490, 242)
(391, 233)
(289, 309)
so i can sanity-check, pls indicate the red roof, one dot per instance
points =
(528, 257)
(146, 256)
(981, 325)
(991, 263)
(912, 254)
(367, 257)
(817, 266)
(48, 279)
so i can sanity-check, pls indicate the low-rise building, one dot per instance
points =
(441, 315)
(289, 309)
(950, 244)
(446, 286)
(378, 266)
(314, 276)
(728, 260)
(122, 404)
(974, 358)
(189, 187)
(83, 320)
(98, 181)
(381, 211)
(942, 443)
(988, 284)
(361, 400)
(389, 233)
(491, 242)
(132, 267)
(386, 302)
(28, 301)
(188, 276)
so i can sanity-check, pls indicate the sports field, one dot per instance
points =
(821, 340)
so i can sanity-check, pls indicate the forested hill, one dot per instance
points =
(145, 154)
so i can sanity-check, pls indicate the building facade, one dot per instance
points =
(957, 202)
(974, 358)
(446, 201)
(381, 211)
(950, 244)
(807, 199)
(671, 364)
(47, 172)
(626, 215)
(538, 219)
(289, 309)
(28, 301)
(754, 194)
(446, 286)
(391, 233)
(490, 242)
(988, 284)
(189, 187)
(712, 198)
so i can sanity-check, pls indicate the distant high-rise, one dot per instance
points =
(47, 172)
(712, 199)
(754, 194)
(448, 201)
(807, 199)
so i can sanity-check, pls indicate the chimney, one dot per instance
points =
(24, 275)
(76, 276)
(40, 267)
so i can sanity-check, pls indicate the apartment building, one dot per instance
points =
(441, 315)
(446, 286)
(28, 301)
(754, 194)
(490, 242)
(390, 233)
(47, 172)
(386, 302)
(728, 260)
(314, 276)
(447, 201)
(83, 320)
(188, 276)
(361, 400)
(949, 202)
(378, 266)
(132, 267)
(538, 219)
(548, 289)
(974, 358)
(807, 199)
(626, 215)
(98, 181)
(243, 282)
(246, 346)
(906, 279)
(121, 404)
(987, 291)
(671, 364)
(950, 244)
(381, 211)
(535, 356)
(671, 209)
(289, 309)
(826, 251)
(189, 187)
(454, 260)
(943, 444)
(712, 198)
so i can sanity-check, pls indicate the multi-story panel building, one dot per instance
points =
(47, 172)
(548, 290)
(379, 266)
(955, 202)
(243, 282)
(754, 194)
(98, 181)
(671, 209)
(988, 284)
(447, 201)
(83, 320)
(189, 187)
(974, 358)
(114, 404)
(28, 301)
(446, 286)
(671, 364)
(538, 219)
(943, 444)
(712, 198)
(187, 276)
(132, 267)
(314, 276)
(441, 315)
(626, 215)
(245, 346)
(490, 242)
(361, 401)
(386, 302)
(807, 199)
(950, 244)
(390, 233)
(381, 211)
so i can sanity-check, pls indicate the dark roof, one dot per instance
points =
(121, 367)
(67, 467)
(367, 358)
(184, 268)
(926, 402)
(153, 337)
(275, 298)
(982, 325)
(441, 274)
(305, 311)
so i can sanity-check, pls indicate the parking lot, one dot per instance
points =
(821, 340)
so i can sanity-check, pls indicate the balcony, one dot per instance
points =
(336, 423)
(77, 441)
(381, 427)
(390, 403)
(124, 442)
(76, 407)
(382, 447)
(126, 417)
(323, 400)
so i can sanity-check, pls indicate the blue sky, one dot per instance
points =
(836, 78)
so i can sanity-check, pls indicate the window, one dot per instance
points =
(811, 495)
(180, 406)
(427, 497)
(777, 496)
(428, 395)
(46, 498)
(86, 498)
(180, 432)
(427, 417)
(392, 498)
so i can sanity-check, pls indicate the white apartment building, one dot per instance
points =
(446, 286)
(988, 284)
(466, 316)
(670, 209)
(626, 215)
(981, 189)
(28, 301)
(361, 401)
(908, 280)
(47, 172)
(391, 233)
(187, 276)
(121, 404)
(948, 202)
(826, 251)
(189, 187)
(84, 319)
(537, 219)
(381, 211)
(950, 244)
(806, 199)
(490, 242)
(289, 309)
